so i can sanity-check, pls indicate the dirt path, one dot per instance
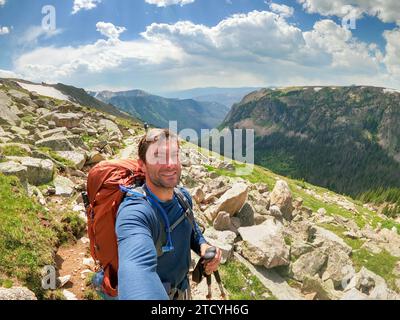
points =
(69, 261)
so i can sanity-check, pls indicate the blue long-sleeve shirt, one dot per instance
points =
(141, 273)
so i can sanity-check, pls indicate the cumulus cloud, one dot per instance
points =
(392, 58)
(84, 5)
(2, 2)
(282, 9)
(109, 30)
(385, 10)
(165, 3)
(253, 49)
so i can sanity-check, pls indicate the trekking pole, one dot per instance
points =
(209, 255)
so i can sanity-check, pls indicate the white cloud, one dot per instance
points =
(392, 58)
(34, 33)
(108, 30)
(2, 2)
(385, 10)
(282, 9)
(84, 5)
(8, 74)
(4, 30)
(258, 48)
(165, 3)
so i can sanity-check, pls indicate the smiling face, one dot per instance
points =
(162, 166)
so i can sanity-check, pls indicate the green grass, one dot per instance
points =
(6, 283)
(26, 244)
(57, 157)
(13, 151)
(71, 228)
(89, 140)
(235, 277)
(382, 264)
(28, 119)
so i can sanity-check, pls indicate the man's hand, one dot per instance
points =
(212, 265)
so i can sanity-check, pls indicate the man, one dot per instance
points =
(143, 274)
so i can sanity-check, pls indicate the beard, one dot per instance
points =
(166, 182)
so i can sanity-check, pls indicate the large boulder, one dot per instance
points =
(325, 237)
(39, 171)
(68, 120)
(110, 126)
(56, 143)
(281, 196)
(223, 221)
(231, 201)
(64, 186)
(264, 244)
(7, 117)
(17, 293)
(339, 267)
(246, 215)
(371, 285)
(13, 168)
(309, 264)
(77, 158)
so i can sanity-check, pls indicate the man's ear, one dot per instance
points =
(142, 165)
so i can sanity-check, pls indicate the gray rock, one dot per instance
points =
(56, 143)
(354, 294)
(322, 235)
(64, 186)
(309, 264)
(264, 244)
(233, 199)
(246, 215)
(324, 290)
(281, 196)
(223, 221)
(12, 168)
(39, 171)
(223, 240)
(17, 293)
(77, 158)
(56, 132)
(68, 120)
(110, 126)
(339, 268)
(7, 117)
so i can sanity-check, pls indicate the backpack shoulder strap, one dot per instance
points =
(187, 208)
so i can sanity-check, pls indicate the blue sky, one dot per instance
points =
(162, 45)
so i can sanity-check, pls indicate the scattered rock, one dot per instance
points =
(309, 264)
(64, 186)
(246, 215)
(264, 244)
(281, 196)
(17, 293)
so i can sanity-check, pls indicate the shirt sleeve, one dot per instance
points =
(137, 273)
(197, 238)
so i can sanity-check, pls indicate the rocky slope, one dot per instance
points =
(281, 238)
(158, 111)
(343, 138)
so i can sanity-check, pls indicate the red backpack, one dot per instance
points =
(102, 201)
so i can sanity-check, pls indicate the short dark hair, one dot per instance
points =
(151, 137)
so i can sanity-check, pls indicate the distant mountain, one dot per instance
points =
(158, 111)
(82, 97)
(343, 138)
(225, 96)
